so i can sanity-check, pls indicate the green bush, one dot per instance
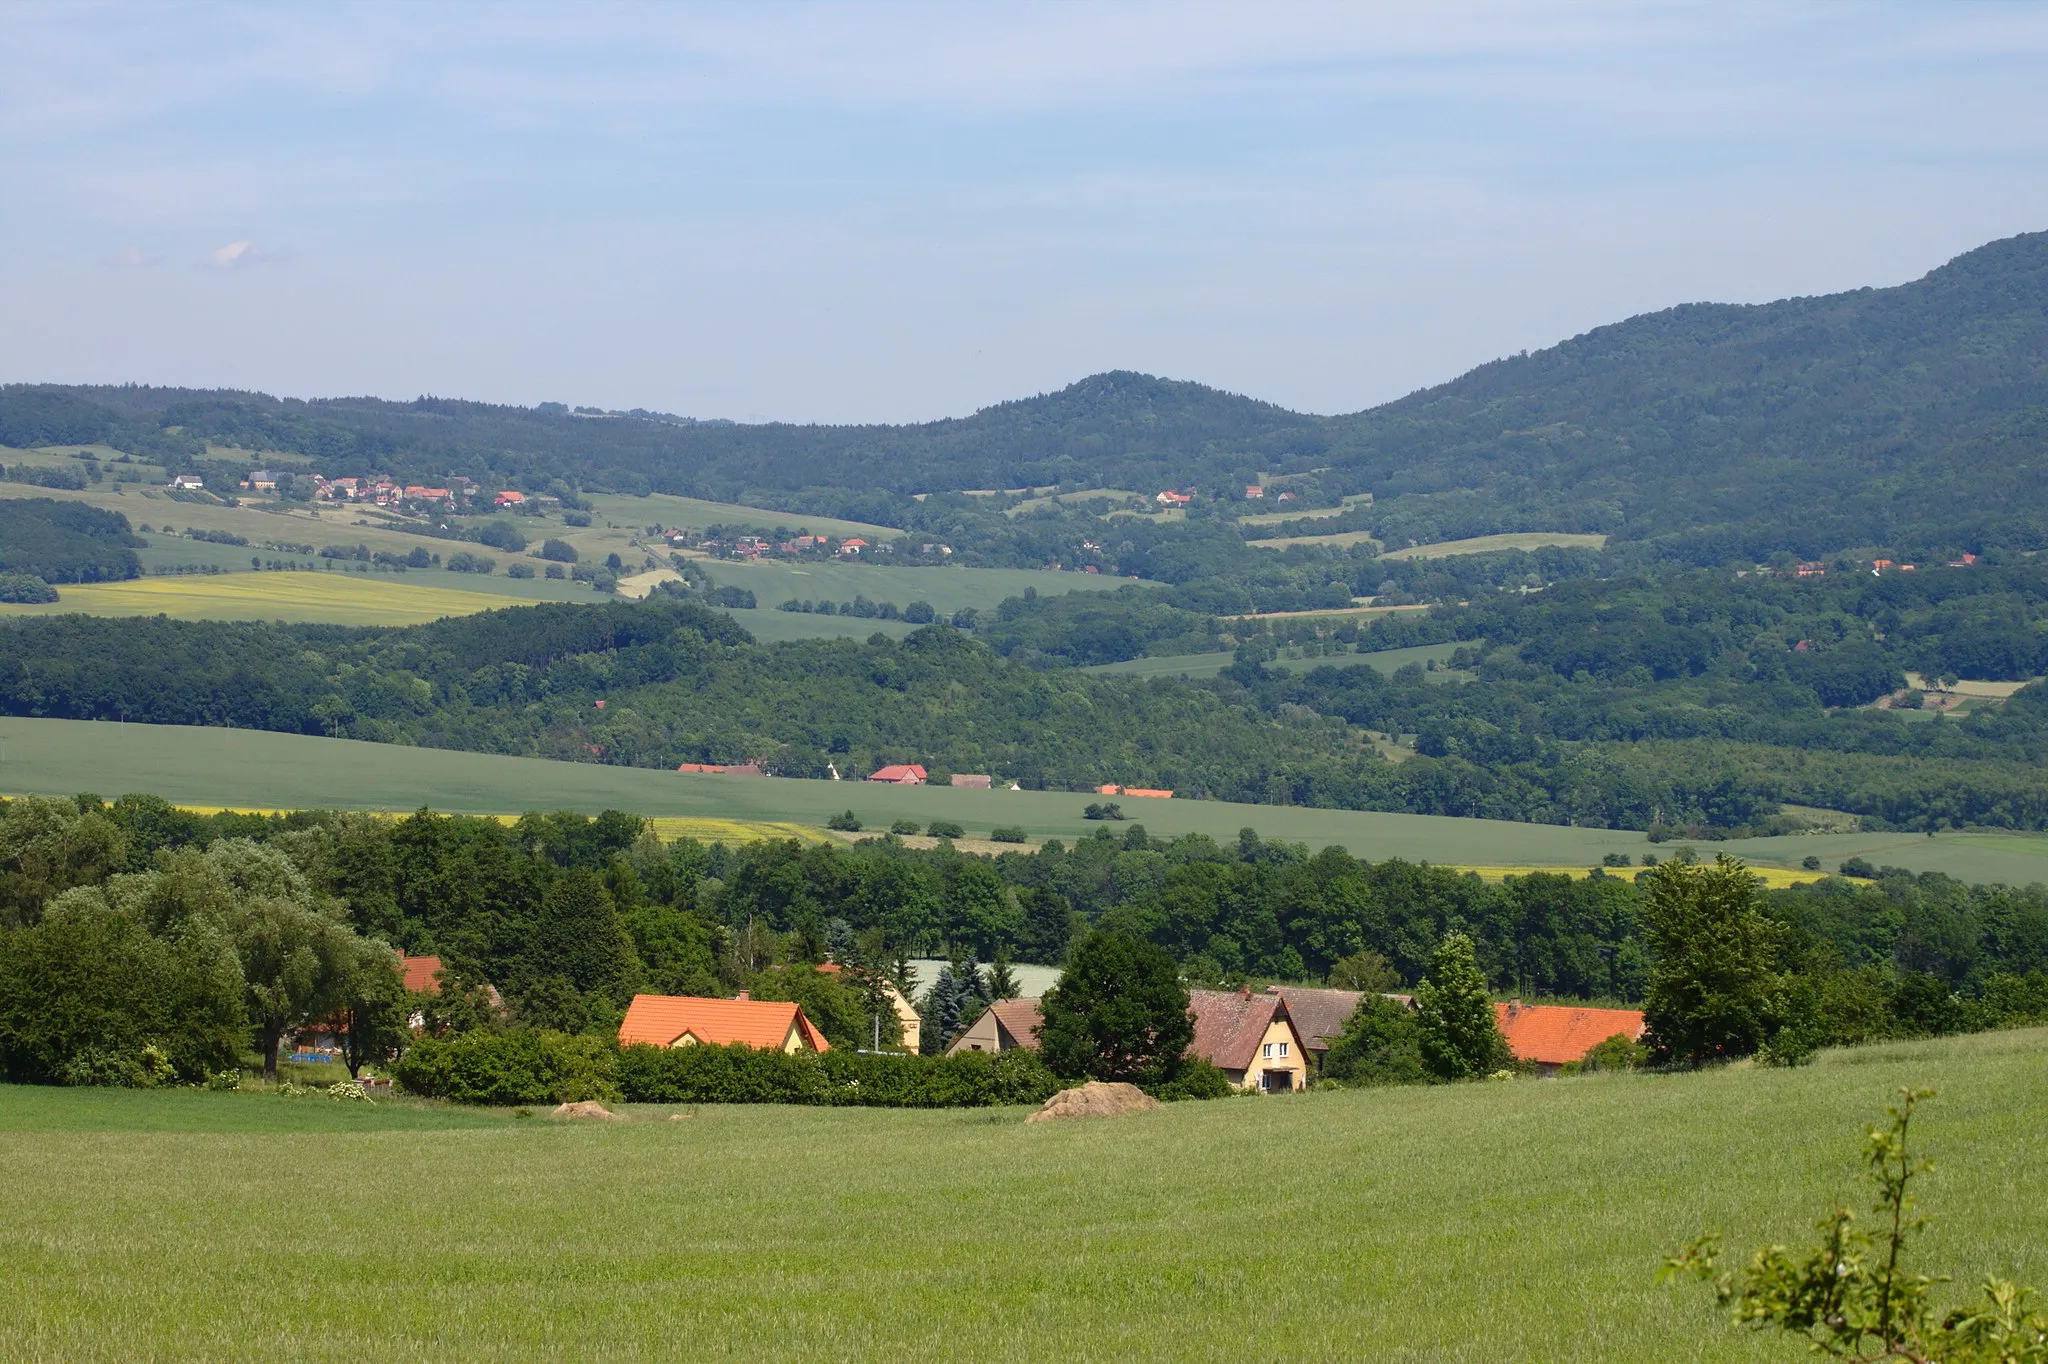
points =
(845, 822)
(739, 1074)
(561, 551)
(518, 1066)
(25, 588)
(1008, 833)
(519, 571)
(1198, 1079)
(945, 828)
(903, 827)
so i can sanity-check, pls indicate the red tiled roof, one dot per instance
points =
(1229, 1025)
(1319, 1015)
(1552, 1034)
(1020, 1018)
(420, 973)
(899, 772)
(660, 1020)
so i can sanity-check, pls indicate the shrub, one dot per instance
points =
(919, 613)
(1860, 868)
(502, 535)
(730, 598)
(740, 1074)
(561, 551)
(1810, 863)
(26, 588)
(1108, 809)
(517, 1066)
(576, 518)
(945, 828)
(1008, 833)
(846, 821)
(465, 562)
(555, 571)
(1198, 1079)
(903, 827)
(519, 571)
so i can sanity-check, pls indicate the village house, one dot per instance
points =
(187, 483)
(509, 498)
(899, 774)
(1250, 1038)
(852, 548)
(263, 480)
(1319, 1015)
(686, 1021)
(1552, 1035)
(906, 1012)
(1170, 498)
(1254, 492)
(1003, 1026)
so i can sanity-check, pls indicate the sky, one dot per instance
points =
(896, 212)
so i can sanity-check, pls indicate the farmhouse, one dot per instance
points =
(1319, 1015)
(1550, 1035)
(684, 1021)
(188, 482)
(421, 974)
(1250, 1038)
(906, 1012)
(1004, 1026)
(899, 774)
(973, 781)
(1170, 498)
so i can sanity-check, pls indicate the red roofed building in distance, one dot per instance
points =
(1550, 1035)
(688, 1021)
(1254, 491)
(853, 546)
(1004, 1026)
(899, 774)
(420, 973)
(1169, 498)
(1250, 1038)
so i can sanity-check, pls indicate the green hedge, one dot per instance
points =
(740, 1074)
(528, 1067)
(521, 1066)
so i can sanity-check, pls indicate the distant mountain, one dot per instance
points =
(1912, 418)
(1917, 414)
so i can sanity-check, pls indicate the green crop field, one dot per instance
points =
(947, 589)
(695, 514)
(1336, 540)
(1488, 1222)
(1209, 665)
(1489, 544)
(248, 769)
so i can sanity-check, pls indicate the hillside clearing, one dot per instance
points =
(1339, 540)
(1491, 544)
(1522, 1221)
(330, 598)
(1209, 665)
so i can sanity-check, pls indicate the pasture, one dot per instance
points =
(1337, 540)
(333, 598)
(248, 769)
(948, 589)
(1493, 544)
(1486, 1222)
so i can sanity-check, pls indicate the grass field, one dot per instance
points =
(1209, 665)
(1489, 544)
(1339, 540)
(247, 769)
(696, 514)
(947, 589)
(1491, 1222)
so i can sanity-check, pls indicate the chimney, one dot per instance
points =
(742, 997)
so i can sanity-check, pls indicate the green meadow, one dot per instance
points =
(1209, 665)
(947, 589)
(1485, 1222)
(250, 769)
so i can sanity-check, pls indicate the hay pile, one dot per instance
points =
(1095, 1100)
(589, 1108)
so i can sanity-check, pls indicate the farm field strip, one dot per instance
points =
(338, 598)
(1209, 665)
(1489, 544)
(195, 766)
(1335, 540)
(149, 1224)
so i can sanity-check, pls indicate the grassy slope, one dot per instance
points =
(1486, 544)
(947, 589)
(331, 598)
(1484, 1222)
(248, 769)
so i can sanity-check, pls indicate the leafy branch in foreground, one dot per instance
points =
(1852, 1296)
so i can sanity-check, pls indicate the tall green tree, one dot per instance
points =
(1119, 1012)
(1381, 1045)
(374, 1007)
(1714, 956)
(1454, 1015)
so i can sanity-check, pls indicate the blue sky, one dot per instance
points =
(889, 212)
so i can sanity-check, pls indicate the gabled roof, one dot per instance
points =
(899, 772)
(1552, 1034)
(660, 1020)
(1229, 1025)
(1020, 1018)
(420, 973)
(1319, 1015)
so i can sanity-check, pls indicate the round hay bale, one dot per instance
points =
(1096, 1099)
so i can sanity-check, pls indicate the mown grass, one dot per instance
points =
(333, 598)
(1489, 1222)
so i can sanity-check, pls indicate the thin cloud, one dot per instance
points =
(235, 255)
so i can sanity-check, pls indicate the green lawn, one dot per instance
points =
(1486, 1222)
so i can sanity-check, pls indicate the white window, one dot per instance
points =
(1283, 1049)
(1269, 1051)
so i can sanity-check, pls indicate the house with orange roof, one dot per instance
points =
(899, 774)
(853, 546)
(687, 1021)
(1552, 1035)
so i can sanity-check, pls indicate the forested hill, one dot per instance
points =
(1911, 419)
(1881, 416)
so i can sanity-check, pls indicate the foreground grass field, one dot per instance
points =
(1487, 1222)
(248, 769)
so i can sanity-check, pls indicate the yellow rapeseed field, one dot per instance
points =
(336, 598)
